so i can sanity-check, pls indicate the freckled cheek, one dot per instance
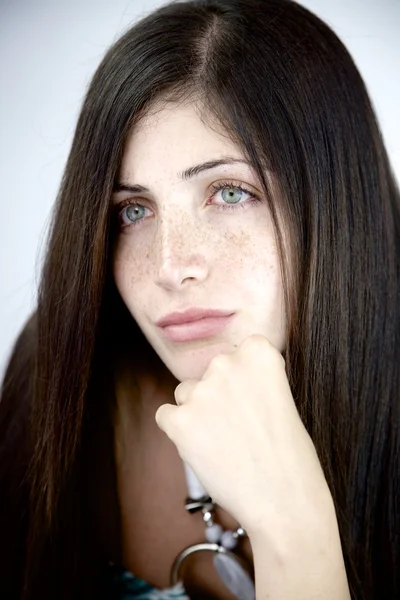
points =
(250, 263)
(130, 266)
(244, 251)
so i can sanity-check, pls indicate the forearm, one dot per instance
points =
(299, 565)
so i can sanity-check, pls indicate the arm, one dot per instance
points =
(308, 563)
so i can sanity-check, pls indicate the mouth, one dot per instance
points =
(196, 330)
(185, 327)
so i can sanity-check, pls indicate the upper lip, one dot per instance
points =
(191, 314)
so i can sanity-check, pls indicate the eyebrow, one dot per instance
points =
(184, 175)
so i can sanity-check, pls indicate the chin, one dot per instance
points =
(192, 362)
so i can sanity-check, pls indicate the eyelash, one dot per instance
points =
(216, 187)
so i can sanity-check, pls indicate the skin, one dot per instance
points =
(189, 253)
(234, 401)
(267, 473)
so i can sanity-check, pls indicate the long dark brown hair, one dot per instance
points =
(286, 90)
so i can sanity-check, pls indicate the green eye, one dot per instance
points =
(231, 195)
(134, 212)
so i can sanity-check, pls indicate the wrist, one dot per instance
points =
(300, 558)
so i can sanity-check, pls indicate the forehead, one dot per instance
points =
(174, 135)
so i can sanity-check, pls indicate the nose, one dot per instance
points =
(180, 262)
(173, 275)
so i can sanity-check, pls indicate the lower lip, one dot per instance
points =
(196, 330)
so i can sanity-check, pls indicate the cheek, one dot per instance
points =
(130, 270)
(249, 258)
(255, 281)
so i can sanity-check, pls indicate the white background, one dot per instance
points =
(49, 50)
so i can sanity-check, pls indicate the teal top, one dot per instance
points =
(125, 586)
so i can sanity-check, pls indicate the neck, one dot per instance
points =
(141, 388)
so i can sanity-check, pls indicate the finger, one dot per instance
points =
(184, 391)
(164, 416)
(259, 347)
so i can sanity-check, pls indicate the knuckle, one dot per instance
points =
(256, 344)
(181, 393)
(276, 359)
(197, 394)
(219, 362)
(179, 420)
(261, 349)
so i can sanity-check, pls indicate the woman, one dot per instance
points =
(106, 396)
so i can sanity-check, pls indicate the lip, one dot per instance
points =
(194, 324)
(191, 314)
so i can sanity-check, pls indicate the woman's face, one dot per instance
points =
(184, 245)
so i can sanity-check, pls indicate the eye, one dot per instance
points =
(130, 213)
(233, 195)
